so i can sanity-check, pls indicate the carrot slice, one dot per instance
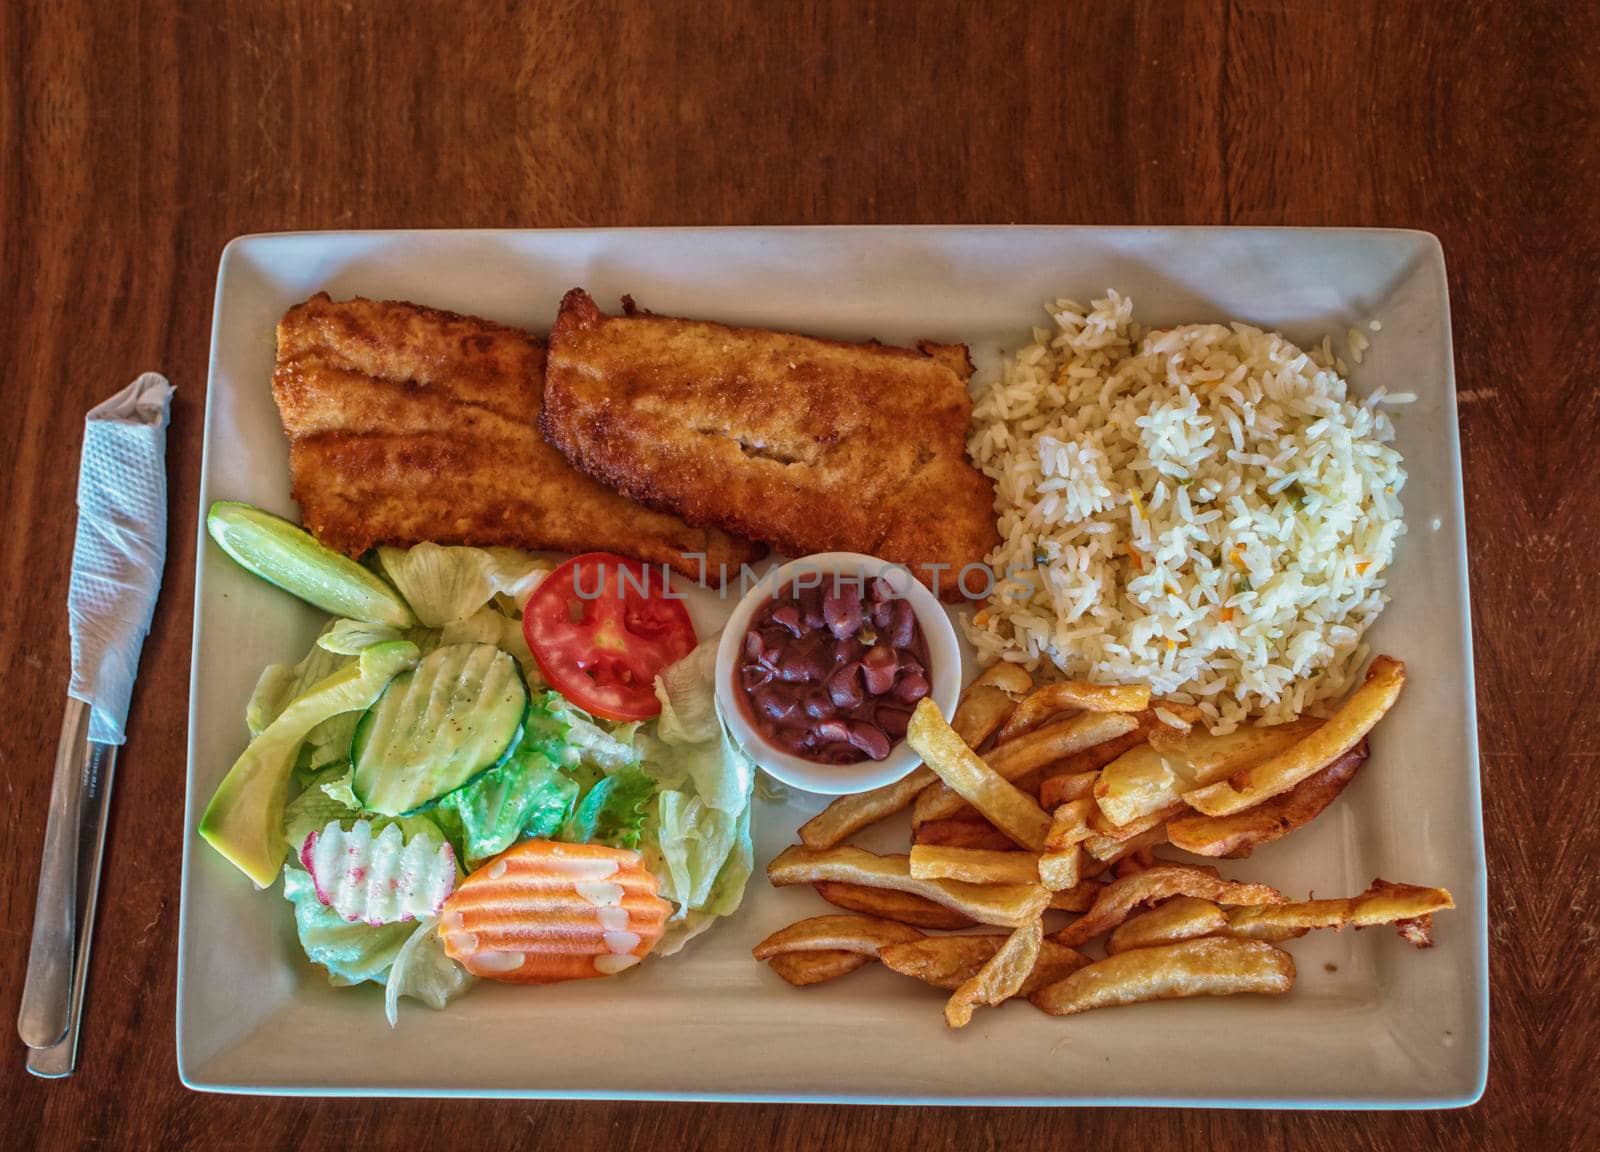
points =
(542, 911)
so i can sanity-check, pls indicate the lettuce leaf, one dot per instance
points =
(444, 585)
(424, 972)
(279, 684)
(699, 846)
(723, 899)
(613, 810)
(586, 743)
(526, 796)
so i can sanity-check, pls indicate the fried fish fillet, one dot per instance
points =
(408, 424)
(809, 445)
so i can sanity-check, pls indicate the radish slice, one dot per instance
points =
(382, 879)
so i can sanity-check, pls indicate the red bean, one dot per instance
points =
(882, 589)
(844, 686)
(878, 667)
(752, 645)
(911, 687)
(902, 624)
(841, 608)
(754, 676)
(796, 740)
(811, 608)
(832, 731)
(776, 705)
(802, 664)
(818, 706)
(869, 739)
(893, 721)
(882, 614)
(848, 650)
(788, 617)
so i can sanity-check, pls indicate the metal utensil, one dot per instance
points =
(99, 767)
(47, 994)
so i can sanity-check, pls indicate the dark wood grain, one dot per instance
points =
(137, 138)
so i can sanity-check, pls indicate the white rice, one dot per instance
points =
(1207, 509)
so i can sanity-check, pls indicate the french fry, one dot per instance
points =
(1181, 918)
(963, 834)
(983, 708)
(973, 865)
(1155, 775)
(1012, 679)
(1178, 715)
(1061, 870)
(866, 935)
(1118, 899)
(1123, 849)
(1001, 976)
(1210, 966)
(1107, 835)
(1381, 903)
(847, 815)
(1040, 747)
(1344, 730)
(1061, 862)
(1235, 836)
(1044, 702)
(888, 904)
(950, 961)
(1069, 824)
(804, 968)
(1079, 898)
(1009, 905)
(1134, 862)
(1057, 790)
(1009, 809)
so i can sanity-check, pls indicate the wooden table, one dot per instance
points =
(138, 138)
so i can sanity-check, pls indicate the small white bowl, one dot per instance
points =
(944, 675)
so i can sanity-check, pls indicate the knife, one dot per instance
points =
(98, 764)
(117, 558)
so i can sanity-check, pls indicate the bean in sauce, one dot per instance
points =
(831, 674)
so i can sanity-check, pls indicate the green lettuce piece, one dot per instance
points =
(688, 696)
(700, 847)
(352, 953)
(444, 585)
(424, 972)
(727, 890)
(527, 796)
(279, 685)
(613, 810)
(586, 742)
(695, 840)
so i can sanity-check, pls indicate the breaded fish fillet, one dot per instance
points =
(809, 445)
(408, 424)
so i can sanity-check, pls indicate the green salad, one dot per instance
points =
(417, 741)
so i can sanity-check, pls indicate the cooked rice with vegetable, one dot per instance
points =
(1208, 509)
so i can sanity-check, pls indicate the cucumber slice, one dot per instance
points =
(458, 713)
(285, 555)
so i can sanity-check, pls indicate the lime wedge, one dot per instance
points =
(286, 555)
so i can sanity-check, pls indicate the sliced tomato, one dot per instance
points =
(601, 627)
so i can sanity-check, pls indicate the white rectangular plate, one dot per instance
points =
(1370, 1023)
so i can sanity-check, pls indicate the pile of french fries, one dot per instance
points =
(1034, 801)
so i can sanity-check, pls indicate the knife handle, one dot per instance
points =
(47, 994)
